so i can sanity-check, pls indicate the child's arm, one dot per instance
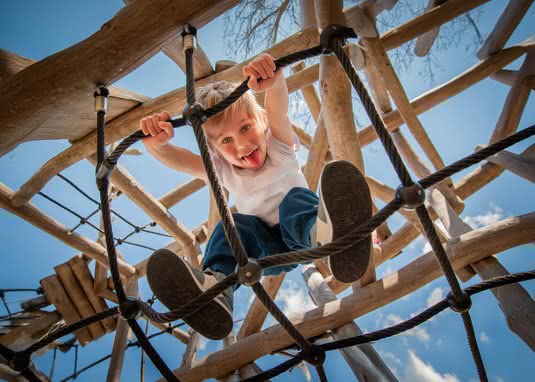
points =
(159, 132)
(276, 97)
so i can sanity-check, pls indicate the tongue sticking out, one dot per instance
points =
(253, 159)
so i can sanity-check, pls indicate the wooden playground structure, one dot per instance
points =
(52, 99)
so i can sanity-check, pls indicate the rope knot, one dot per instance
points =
(194, 111)
(461, 305)
(20, 361)
(412, 196)
(129, 308)
(332, 34)
(314, 356)
(250, 273)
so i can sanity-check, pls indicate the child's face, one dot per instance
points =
(240, 139)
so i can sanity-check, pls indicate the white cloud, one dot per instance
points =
(294, 300)
(490, 217)
(436, 295)
(484, 337)
(419, 371)
(418, 332)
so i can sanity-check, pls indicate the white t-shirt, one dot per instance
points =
(260, 192)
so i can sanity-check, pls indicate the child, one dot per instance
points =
(253, 150)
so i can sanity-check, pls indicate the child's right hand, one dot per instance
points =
(158, 131)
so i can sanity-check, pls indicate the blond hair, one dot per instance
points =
(215, 92)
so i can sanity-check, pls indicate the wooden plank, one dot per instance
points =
(38, 218)
(121, 336)
(172, 101)
(43, 89)
(84, 277)
(364, 361)
(201, 64)
(76, 294)
(181, 192)
(55, 293)
(504, 28)
(467, 249)
(428, 21)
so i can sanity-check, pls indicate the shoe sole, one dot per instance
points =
(174, 284)
(347, 204)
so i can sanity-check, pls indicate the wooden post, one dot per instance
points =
(363, 360)
(337, 110)
(425, 41)
(521, 165)
(121, 336)
(178, 194)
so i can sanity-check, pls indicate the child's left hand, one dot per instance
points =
(262, 68)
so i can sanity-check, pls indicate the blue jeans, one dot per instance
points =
(297, 214)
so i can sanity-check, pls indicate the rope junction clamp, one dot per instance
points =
(101, 99)
(189, 36)
(129, 309)
(193, 111)
(412, 196)
(460, 306)
(250, 273)
(333, 33)
(103, 174)
(20, 361)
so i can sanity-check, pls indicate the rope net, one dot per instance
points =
(194, 115)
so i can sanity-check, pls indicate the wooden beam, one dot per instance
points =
(38, 218)
(425, 41)
(21, 338)
(39, 91)
(55, 293)
(129, 186)
(191, 349)
(181, 192)
(121, 336)
(377, 52)
(507, 123)
(430, 99)
(363, 360)
(428, 21)
(521, 165)
(516, 303)
(201, 64)
(504, 28)
(466, 249)
(128, 123)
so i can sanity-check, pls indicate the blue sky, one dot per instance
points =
(436, 351)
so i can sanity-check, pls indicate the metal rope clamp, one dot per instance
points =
(194, 111)
(20, 361)
(189, 38)
(315, 356)
(333, 33)
(412, 196)
(250, 273)
(462, 305)
(130, 309)
(101, 99)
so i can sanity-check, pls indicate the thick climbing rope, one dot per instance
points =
(408, 195)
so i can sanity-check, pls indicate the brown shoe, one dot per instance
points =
(175, 282)
(345, 203)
